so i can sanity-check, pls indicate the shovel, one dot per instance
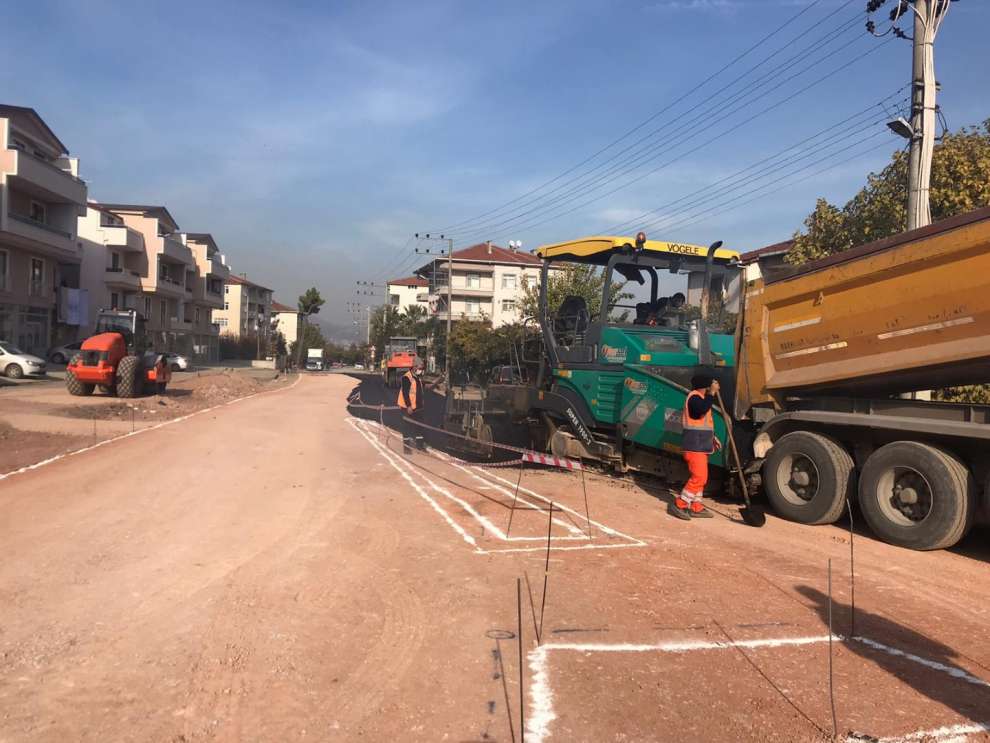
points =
(752, 515)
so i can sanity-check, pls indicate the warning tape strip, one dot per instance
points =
(526, 455)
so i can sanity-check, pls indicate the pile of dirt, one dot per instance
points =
(21, 448)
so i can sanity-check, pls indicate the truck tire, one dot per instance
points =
(129, 372)
(808, 477)
(917, 496)
(75, 387)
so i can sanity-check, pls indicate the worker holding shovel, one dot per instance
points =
(698, 443)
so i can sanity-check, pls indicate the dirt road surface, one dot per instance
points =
(279, 570)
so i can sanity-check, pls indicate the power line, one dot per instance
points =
(582, 179)
(632, 181)
(646, 121)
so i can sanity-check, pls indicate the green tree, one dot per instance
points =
(310, 336)
(573, 279)
(960, 183)
(310, 303)
(475, 347)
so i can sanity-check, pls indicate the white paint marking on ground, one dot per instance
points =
(947, 734)
(368, 430)
(422, 493)
(541, 694)
(934, 665)
(83, 450)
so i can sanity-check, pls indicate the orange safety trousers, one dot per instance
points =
(690, 497)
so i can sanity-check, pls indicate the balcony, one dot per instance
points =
(59, 185)
(176, 252)
(475, 316)
(217, 269)
(39, 236)
(122, 278)
(463, 291)
(123, 238)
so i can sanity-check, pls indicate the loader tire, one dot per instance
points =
(129, 377)
(77, 388)
(917, 496)
(808, 477)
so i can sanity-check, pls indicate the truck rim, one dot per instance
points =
(904, 496)
(797, 478)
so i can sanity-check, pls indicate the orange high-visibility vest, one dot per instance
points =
(699, 433)
(413, 401)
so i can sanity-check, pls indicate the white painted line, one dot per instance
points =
(816, 349)
(926, 328)
(422, 493)
(104, 442)
(934, 665)
(798, 324)
(947, 734)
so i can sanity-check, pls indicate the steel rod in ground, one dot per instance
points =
(546, 574)
(587, 513)
(515, 497)
(831, 687)
(532, 606)
(522, 720)
(852, 574)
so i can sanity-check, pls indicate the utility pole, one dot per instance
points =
(450, 295)
(920, 131)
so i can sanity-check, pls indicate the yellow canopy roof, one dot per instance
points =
(597, 249)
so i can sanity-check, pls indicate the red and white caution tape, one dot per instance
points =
(551, 461)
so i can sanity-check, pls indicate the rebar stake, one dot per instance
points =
(831, 689)
(522, 721)
(512, 511)
(546, 575)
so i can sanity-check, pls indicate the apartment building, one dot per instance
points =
(408, 292)
(287, 321)
(134, 257)
(489, 282)
(246, 308)
(41, 195)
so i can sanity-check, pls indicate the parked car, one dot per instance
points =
(314, 365)
(64, 354)
(15, 363)
(177, 362)
(359, 366)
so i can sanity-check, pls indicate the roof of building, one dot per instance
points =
(235, 279)
(491, 253)
(279, 307)
(409, 281)
(204, 238)
(6, 110)
(151, 210)
(781, 248)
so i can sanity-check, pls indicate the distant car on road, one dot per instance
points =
(314, 365)
(63, 354)
(359, 366)
(15, 363)
(177, 362)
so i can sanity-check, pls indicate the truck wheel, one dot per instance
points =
(129, 374)
(916, 496)
(808, 477)
(75, 387)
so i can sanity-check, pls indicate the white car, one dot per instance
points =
(177, 362)
(14, 363)
(64, 354)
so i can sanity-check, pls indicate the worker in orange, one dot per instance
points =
(698, 442)
(411, 401)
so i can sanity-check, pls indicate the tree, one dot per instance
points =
(475, 347)
(572, 279)
(310, 336)
(960, 183)
(310, 303)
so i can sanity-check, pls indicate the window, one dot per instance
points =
(163, 312)
(393, 299)
(114, 300)
(4, 269)
(36, 281)
(222, 322)
(472, 307)
(508, 305)
(509, 281)
(197, 315)
(147, 308)
(472, 281)
(226, 290)
(39, 213)
(115, 261)
(226, 305)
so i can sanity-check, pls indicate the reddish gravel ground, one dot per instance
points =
(299, 578)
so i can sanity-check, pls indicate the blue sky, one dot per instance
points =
(312, 138)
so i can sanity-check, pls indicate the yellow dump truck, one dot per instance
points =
(828, 358)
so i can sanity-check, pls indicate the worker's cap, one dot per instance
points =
(701, 381)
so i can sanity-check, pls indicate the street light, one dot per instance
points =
(901, 127)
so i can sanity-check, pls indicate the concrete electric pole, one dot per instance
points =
(450, 295)
(920, 131)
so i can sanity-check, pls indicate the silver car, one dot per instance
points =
(15, 363)
(177, 362)
(64, 354)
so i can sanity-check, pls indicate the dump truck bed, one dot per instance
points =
(908, 313)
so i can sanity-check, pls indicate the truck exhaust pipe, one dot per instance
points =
(704, 343)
